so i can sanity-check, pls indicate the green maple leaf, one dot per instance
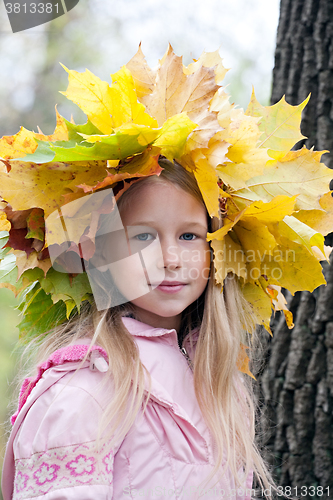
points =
(40, 314)
(62, 288)
(74, 131)
(4, 235)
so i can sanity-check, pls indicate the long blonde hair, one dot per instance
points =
(223, 393)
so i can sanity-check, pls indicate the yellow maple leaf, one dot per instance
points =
(279, 124)
(124, 105)
(280, 304)
(18, 145)
(273, 211)
(30, 185)
(207, 179)
(23, 143)
(322, 255)
(295, 230)
(208, 60)
(271, 250)
(203, 162)
(257, 241)
(250, 249)
(175, 92)
(207, 126)
(298, 173)
(93, 96)
(4, 222)
(288, 315)
(107, 106)
(217, 151)
(246, 159)
(259, 302)
(225, 111)
(143, 76)
(173, 135)
(229, 257)
(319, 220)
(173, 89)
(243, 361)
(262, 212)
(293, 267)
(242, 135)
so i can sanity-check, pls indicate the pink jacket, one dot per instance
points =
(51, 452)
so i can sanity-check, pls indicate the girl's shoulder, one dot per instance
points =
(58, 415)
(64, 366)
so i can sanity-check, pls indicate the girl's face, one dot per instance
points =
(177, 273)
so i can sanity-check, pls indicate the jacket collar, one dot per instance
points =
(139, 329)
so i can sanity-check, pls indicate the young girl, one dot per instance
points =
(172, 400)
(140, 394)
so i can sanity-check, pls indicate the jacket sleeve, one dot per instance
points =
(55, 449)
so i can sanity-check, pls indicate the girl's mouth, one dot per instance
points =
(171, 286)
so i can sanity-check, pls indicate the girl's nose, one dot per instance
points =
(171, 256)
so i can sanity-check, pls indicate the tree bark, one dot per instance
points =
(296, 383)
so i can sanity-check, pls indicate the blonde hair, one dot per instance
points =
(223, 393)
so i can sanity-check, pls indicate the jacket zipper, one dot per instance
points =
(187, 357)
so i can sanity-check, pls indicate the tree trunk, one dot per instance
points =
(304, 65)
(297, 380)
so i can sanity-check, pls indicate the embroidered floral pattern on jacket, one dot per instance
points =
(46, 473)
(108, 462)
(61, 468)
(21, 481)
(81, 465)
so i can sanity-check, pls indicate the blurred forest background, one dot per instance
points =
(103, 36)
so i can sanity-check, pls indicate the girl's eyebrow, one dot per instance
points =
(142, 223)
(183, 223)
(195, 224)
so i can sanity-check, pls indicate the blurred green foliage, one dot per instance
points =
(8, 359)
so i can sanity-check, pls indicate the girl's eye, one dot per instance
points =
(188, 236)
(144, 237)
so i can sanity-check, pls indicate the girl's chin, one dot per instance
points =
(159, 318)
